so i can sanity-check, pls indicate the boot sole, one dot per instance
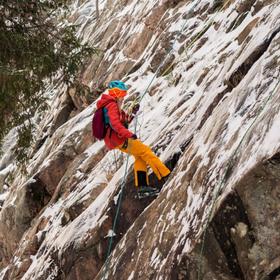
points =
(147, 194)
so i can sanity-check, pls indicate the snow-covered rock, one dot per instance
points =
(210, 73)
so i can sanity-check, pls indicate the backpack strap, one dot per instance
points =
(106, 117)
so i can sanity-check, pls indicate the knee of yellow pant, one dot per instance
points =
(140, 166)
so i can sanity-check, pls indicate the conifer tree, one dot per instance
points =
(35, 45)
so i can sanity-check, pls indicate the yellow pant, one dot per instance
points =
(144, 157)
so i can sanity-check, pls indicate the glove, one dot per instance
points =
(135, 108)
(134, 137)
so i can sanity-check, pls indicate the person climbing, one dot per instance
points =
(117, 136)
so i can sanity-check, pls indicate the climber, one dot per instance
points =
(119, 137)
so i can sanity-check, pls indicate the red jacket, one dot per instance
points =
(117, 133)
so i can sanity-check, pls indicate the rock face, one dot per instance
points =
(212, 114)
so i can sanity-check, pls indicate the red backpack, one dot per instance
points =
(98, 124)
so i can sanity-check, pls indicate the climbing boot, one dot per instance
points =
(142, 178)
(144, 190)
(147, 191)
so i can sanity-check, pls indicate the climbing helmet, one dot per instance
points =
(117, 89)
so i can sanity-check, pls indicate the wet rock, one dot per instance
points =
(137, 43)
(246, 31)
(16, 219)
(81, 96)
(217, 213)
(52, 173)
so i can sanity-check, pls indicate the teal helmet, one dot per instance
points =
(117, 84)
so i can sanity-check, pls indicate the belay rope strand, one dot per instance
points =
(107, 261)
(138, 100)
(224, 177)
(207, 25)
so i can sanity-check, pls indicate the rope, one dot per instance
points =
(108, 259)
(207, 25)
(224, 178)
(138, 100)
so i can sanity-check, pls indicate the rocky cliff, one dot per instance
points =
(211, 112)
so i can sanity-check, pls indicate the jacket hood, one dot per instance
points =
(104, 100)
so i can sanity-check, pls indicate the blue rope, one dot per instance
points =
(107, 262)
(108, 258)
(138, 100)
